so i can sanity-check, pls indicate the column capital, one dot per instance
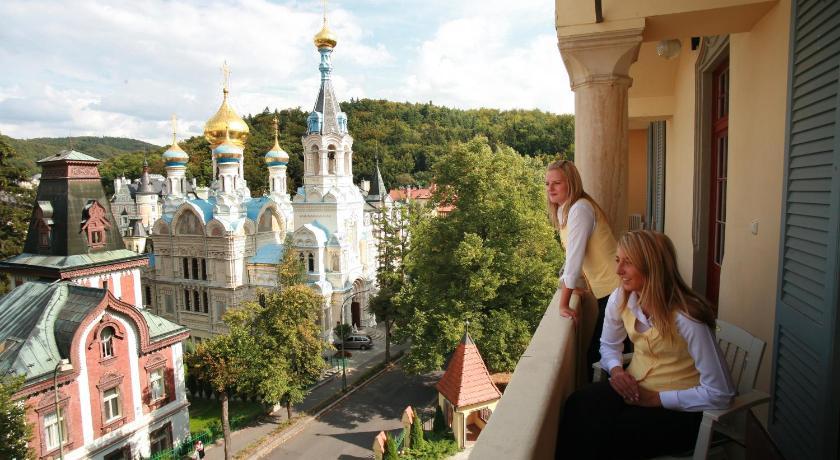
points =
(600, 54)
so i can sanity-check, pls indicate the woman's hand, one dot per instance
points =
(567, 312)
(625, 385)
(647, 398)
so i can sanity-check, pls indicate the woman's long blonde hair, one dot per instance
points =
(664, 292)
(576, 192)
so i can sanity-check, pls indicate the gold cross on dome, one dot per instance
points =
(174, 128)
(226, 76)
(276, 127)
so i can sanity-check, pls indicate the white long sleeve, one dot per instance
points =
(580, 226)
(715, 390)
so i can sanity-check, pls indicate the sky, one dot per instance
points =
(113, 68)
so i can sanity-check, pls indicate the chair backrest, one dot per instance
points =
(742, 352)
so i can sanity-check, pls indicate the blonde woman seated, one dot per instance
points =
(654, 407)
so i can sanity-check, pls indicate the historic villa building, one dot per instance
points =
(209, 254)
(103, 376)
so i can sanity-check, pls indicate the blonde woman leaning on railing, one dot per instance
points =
(588, 241)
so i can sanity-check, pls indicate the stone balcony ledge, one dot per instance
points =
(524, 424)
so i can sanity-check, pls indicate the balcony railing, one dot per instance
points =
(524, 424)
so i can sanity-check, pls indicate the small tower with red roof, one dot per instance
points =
(466, 394)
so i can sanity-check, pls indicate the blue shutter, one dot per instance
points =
(805, 410)
(656, 176)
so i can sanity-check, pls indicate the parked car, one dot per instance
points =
(362, 342)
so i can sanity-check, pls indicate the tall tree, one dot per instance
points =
(15, 207)
(493, 260)
(14, 432)
(285, 322)
(393, 234)
(232, 363)
(287, 328)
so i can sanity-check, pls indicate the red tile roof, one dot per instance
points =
(412, 193)
(466, 380)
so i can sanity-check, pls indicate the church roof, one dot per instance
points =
(377, 191)
(466, 380)
(268, 254)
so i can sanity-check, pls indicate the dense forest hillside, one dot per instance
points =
(31, 150)
(406, 138)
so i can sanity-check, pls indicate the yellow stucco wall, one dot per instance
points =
(637, 173)
(758, 92)
(758, 66)
(679, 162)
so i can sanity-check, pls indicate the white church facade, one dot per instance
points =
(209, 254)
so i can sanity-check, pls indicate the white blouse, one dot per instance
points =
(715, 390)
(580, 227)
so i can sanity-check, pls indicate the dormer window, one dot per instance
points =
(44, 237)
(106, 342)
(44, 224)
(94, 224)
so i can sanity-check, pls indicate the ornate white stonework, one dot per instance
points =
(210, 254)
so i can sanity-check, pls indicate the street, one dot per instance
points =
(347, 431)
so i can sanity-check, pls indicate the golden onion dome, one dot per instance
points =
(226, 119)
(325, 38)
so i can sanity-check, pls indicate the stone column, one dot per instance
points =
(598, 62)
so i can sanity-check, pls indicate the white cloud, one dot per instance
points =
(479, 61)
(123, 68)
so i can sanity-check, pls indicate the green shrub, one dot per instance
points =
(437, 447)
(417, 440)
(390, 448)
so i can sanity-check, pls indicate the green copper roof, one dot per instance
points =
(161, 328)
(38, 321)
(30, 313)
(71, 262)
(70, 155)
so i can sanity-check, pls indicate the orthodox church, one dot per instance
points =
(208, 254)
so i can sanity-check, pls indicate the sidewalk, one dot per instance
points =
(360, 362)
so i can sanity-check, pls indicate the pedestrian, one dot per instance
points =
(199, 450)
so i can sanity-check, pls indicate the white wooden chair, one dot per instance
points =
(743, 353)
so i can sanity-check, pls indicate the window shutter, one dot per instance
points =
(656, 176)
(805, 409)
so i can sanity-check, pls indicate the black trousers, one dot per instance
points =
(597, 424)
(593, 352)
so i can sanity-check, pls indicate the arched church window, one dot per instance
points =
(311, 262)
(315, 160)
(331, 158)
(188, 224)
(268, 222)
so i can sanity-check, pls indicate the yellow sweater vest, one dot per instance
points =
(657, 364)
(599, 257)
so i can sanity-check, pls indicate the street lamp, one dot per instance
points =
(62, 366)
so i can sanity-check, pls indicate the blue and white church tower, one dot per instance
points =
(333, 235)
